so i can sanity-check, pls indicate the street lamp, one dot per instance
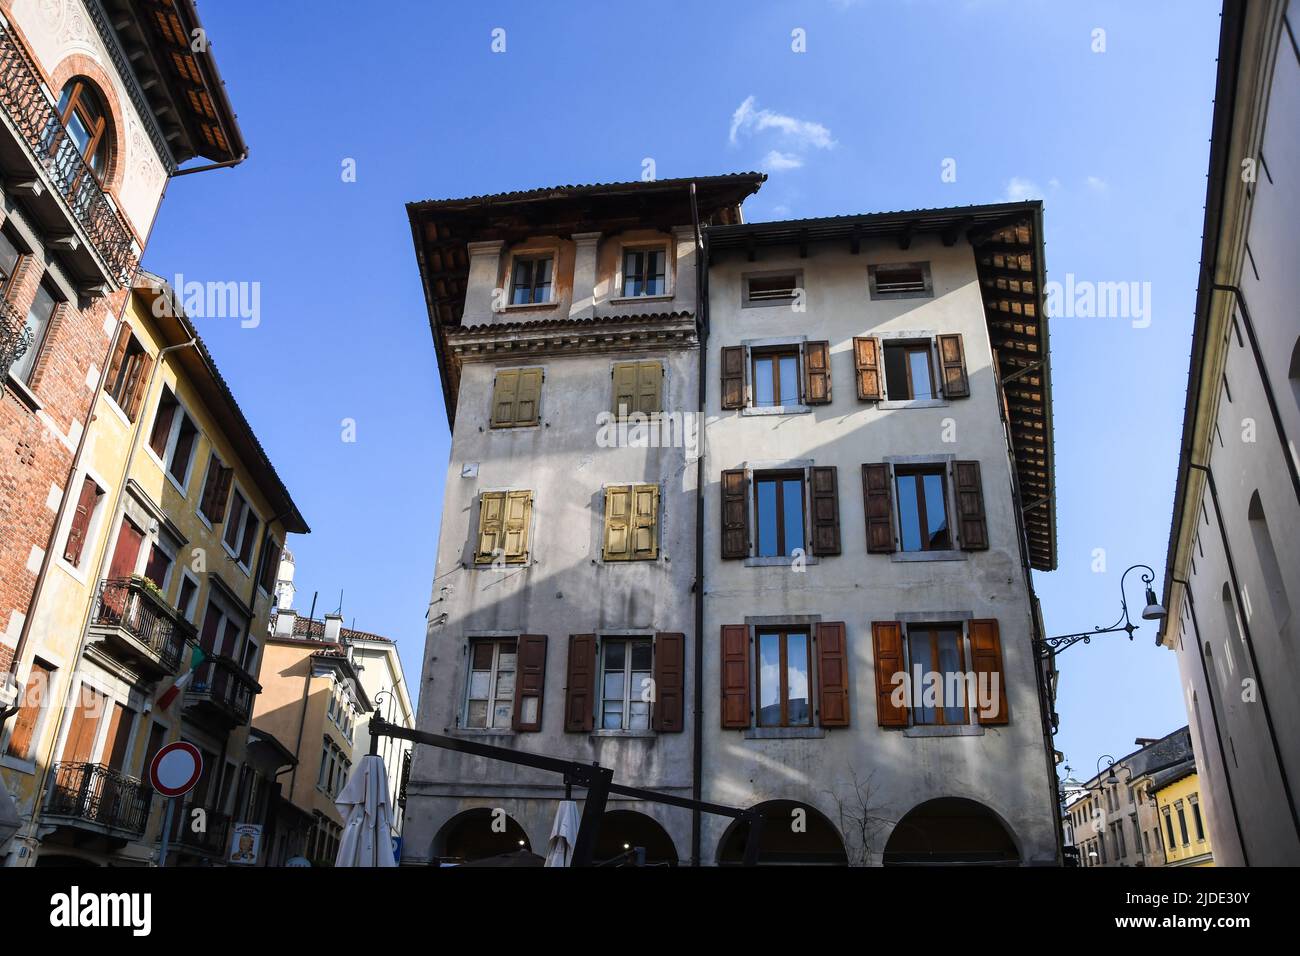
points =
(1154, 611)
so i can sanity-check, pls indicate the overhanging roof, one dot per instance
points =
(1007, 239)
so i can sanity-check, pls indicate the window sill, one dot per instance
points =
(780, 561)
(785, 733)
(514, 428)
(23, 393)
(775, 410)
(939, 730)
(914, 403)
(22, 766)
(509, 566)
(634, 299)
(639, 734)
(525, 306)
(481, 732)
(906, 556)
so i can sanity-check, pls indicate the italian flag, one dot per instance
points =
(197, 657)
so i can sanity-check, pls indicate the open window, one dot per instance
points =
(128, 373)
(771, 288)
(84, 116)
(900, 280)
(775, 377)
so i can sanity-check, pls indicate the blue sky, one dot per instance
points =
(1114, 142)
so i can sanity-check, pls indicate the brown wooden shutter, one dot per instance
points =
(162, 425)
(528, 403)
(825, 511)
(530, 682)
(81, 521)
(119, 354)
(887, 645)
(670, 683)
(580, 689)
(625, 389)
(35, 695)
(139, 386)
(733, 376)
(866, 360)
(832, 674)
(735, 676)
(878, 505)
(952, 360)
(972, 526)
(817, 373)
(270, 564)
(735, 514)
(986, 662)
(221, 494)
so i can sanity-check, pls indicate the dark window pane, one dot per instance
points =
(615, 655)
(642, 655)
(483, 656)
(896, 373)
(936, 514)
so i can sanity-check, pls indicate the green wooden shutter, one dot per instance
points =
(625, 389)
(519, 512)
(505, 391)
(528, 400)
(649, 385)
(618, 508)
(645, 522)
(491, 525)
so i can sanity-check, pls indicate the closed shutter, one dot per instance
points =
(645, 522)
(118, 357)
(625, 389)
(670, 683)
(139, 386)
(735, 676)
(270, 564)
(81, 521)
(866, 361)
(832, 674)
(649, 387)
(817, 373)
(491, 525)
(580, 688)
(530, 682)
(972, 526)
(34, 697)
(162, 424)
(221, 494)
(986, 662)
(825, 511)
(952, 360)
(887, 648)
(735, 514)
(519, 513)
(878, 505)
(618, 513)
(528, 403)
(79, 746)
(505, 391)
(733, 377)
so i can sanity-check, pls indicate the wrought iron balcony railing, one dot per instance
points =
(205, 832)
(222, 686)
(137, 615)
(95, 794)
(15, 339)
(30, 110)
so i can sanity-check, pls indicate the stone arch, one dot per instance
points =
(479, 833)
(78, 64)
(948, 830)
(818, 843)
(624, 830)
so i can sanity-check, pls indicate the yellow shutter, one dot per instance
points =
(645, 521)
(618, 504)
(625, 389)
(490, 525)
(529, 396)
(519, 512)
(504, 395)
(650, 377)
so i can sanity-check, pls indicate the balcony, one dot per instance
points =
(222, 692)
(95, 797)
(138, 627)
(65, 196)
(207, 838)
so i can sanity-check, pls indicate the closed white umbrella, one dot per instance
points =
(564, 835)
(9, 820)
(368, 821)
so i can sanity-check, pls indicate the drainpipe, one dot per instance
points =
(207, 166)
(697, 723)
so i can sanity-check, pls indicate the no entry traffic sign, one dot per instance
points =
(175, 769)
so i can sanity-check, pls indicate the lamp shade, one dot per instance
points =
(1154, 611)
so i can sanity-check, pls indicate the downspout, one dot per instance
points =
(697, 723)
(226, 164)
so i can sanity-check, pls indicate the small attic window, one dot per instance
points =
(772, 288)
(899, 280)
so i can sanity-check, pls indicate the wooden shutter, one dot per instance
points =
(817, 373)
(887, 647)
(618, 513)
(649, 387)
(735, 514)
(825, 511)
(528, 402)
(162, 426)
(832, 674)
(221, 495)
(952, 361)
(530, 682)
(670, 683)
(491, 525)
(972, 526)
(878, 505)
(519, 513)
(139, 385)
(126, 553)
(119, 355)
(580, 688)
(79, 746)
(735, 676)
(270, 564)
(866, 360)
(505, 389)
(733, 376)
(625, 389)
(986, 662)
(81, 521)
(119, 732)
(645, 522)
(34, 697)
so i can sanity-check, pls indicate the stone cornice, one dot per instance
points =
(557, 336)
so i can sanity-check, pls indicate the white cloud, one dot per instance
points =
(796, 132)
(1097, 184)
(1019, 188)
(777, 161)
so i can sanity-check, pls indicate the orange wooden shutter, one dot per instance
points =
(735, 514)
(81, 521)
(878, 504)
(733, 377)
(986, 662)
(832, 674)
(972, 526)
(530, 682)
(952, 361)
(138, 386)
(80, 743)
(735, 676)
(580, 691)
(825, 511)
(670, 683)
(119, 353)
(887, 645)
(866, 361)
(34, 697)
(817, 373)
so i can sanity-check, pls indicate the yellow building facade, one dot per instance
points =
(1184, 835)
(174, 545)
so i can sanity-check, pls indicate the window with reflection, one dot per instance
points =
(908, 373)
(82, 112)
(644, 272)
(779, 513)
(775, 375)
(937, 649)
(627, 666)
(38, 323)
(531, 282)
(784, 687)
(923, 509)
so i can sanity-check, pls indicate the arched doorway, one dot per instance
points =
(624, 830)
(479, 834)
(950, 830)
(793, 834)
